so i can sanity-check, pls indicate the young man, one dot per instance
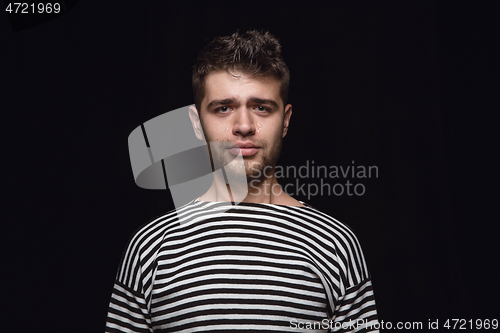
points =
(268, 263)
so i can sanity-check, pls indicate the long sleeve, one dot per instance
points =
(127, 311)
(356, 311)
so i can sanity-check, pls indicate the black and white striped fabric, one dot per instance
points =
(250, 267)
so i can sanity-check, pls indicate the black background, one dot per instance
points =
(408, 86)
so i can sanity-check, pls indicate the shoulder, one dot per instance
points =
(326, 222)
(310, 223)
(343, 240)
(284, 199)
(163, 224)
(143, 244)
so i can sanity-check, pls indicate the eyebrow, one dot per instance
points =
(228, 101)
(264, 101)
(216, 102)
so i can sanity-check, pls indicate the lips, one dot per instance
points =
(245, 148)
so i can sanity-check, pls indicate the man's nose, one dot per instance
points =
(243, 122)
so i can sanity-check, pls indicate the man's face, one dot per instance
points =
(246, 114)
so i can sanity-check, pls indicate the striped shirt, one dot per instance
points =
(210, 266)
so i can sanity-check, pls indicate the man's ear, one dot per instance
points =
(195, 121)
(286, 120)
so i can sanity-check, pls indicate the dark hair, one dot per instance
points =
(253, 52)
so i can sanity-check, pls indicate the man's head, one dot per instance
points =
(240, 85)
(255, 53)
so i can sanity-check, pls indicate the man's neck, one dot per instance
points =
(266, 191)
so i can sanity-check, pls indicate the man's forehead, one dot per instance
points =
(240, 87)
(240, 75)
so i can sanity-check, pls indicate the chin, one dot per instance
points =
(254, 169)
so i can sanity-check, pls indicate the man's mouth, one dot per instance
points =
(245, 148)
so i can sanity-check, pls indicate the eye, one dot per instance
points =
(263, 109)
(222, 109)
